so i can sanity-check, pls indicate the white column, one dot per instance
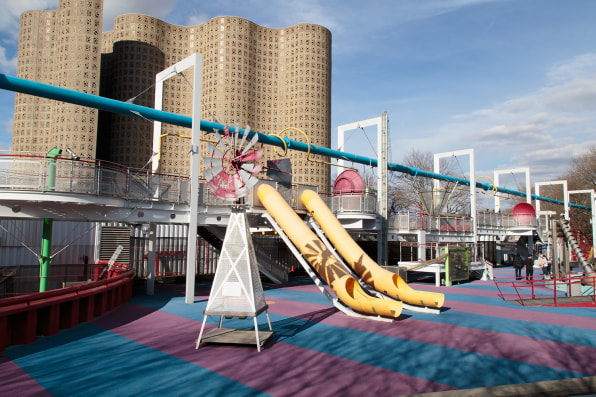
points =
(196, 61)
(194, 181)
(151, 258)
(421, 234)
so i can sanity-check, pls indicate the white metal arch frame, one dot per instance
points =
(592, 204)
(382, 159)
(196, 61)
(437, 183)
(565, 195)
(525, 171)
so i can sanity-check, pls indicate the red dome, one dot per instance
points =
(524, 213)
(347, 182)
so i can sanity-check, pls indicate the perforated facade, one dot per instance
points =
(270, 79)
(61, 48)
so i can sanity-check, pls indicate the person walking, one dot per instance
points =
(529, 267)
(547, 268)
(542, 264)
(518, 264)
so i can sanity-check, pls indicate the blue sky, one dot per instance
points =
(513, 79)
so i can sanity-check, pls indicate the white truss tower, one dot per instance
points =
(237, 290)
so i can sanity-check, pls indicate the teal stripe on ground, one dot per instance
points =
(281, 369)
(405, 356)
(497, 316)
(100, 363)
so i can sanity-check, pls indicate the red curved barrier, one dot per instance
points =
(25, 317)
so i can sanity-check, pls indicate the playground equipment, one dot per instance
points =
(111, 105)
(332, 270)
(237, 289)
(349, 182)
(563, 226)
(322, 259)
(380, 279)
(74, 97)
(232, 170)
(524, 214)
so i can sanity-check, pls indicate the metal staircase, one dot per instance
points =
(570, 238)
(215, 235)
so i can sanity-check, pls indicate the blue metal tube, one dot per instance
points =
(111, 105)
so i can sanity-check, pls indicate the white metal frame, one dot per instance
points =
(195, 60)
(437, 183)
(382, 159)
(565, 195)
(525, 171)
(592, 204)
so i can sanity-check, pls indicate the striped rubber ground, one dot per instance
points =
(146, 347)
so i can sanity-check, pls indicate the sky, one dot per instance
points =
(515, 80)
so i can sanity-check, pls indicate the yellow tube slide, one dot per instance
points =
(380, 279)
(324, 262)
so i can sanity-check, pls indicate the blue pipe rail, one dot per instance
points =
(24, 86)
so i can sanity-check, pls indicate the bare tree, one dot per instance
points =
(581, 175)
(406, 191)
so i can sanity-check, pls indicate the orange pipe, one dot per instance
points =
(323, 261)
(380, 279)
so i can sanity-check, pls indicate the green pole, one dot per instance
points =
(51, 156)
(46, 253)
(46, 232)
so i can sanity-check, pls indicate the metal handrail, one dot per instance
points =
(29, 173)
(568, 281)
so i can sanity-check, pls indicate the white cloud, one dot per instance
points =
(198, 19)
(6, 136)
(12, 10)
(7, 65)
(574, 96)
(578, 68)
(155, 8)
(542, 129)
(312, 11)
(519, 131)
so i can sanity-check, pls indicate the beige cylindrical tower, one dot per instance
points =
(77, 60)
(269, 79)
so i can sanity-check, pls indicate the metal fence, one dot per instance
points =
(492, 220)
(411, 221)
(353, 203)
(88, 177)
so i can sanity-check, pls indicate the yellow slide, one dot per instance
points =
(380, 279)
(324, 262)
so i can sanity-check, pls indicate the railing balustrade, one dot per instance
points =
(30, 173)
(101, 178)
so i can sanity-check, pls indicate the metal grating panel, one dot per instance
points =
(110, 238)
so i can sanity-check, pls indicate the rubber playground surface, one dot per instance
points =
(147, 347)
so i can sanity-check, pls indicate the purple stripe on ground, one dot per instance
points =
(477, 291)
(16, 382)
(279, 370)
(568, 320)
(307, 288)
(512, 347)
